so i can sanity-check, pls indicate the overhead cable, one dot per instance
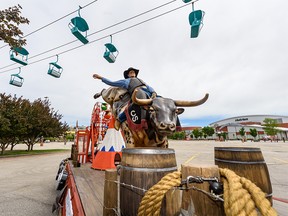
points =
(98, 39)
(53, 22)
(111, 26)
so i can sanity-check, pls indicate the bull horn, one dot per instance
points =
(140, 102)
(191, 103)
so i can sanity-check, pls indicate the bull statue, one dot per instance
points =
(149, 120)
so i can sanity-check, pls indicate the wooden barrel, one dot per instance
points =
(141, 168)
(246, 162)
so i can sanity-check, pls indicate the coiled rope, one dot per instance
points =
(241, 196)
(152, 200)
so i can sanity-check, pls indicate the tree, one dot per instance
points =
(10, 120)
(10, 19)
(224, 135)
(197, 133)
(41, 121)
(208, 131)
(178, 135)
(270, 126)
(253, 132)
(242, 133)
(21, 120)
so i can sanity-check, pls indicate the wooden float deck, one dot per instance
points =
(192, 153)
(90, 186)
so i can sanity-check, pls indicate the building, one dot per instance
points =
(232, 126)
(188, 131)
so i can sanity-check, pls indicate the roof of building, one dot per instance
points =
(190, 128)
(245, 116)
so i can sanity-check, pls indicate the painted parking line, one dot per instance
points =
(191, 158)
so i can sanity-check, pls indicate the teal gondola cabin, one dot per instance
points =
(16, 80)
(196, 22)
(110, 53)
(79, 28)
(55, 70)
(19, 55)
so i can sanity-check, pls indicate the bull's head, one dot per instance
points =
(164, 111)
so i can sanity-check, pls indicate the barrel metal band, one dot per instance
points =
(150, 169)
(240, 162)
(148, 151)
(238, 149)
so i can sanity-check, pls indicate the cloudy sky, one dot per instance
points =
(240, 57)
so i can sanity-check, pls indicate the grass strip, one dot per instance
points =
(33, 152)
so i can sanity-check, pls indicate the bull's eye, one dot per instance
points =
(150, 109)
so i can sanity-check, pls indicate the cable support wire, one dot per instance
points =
(111, 26)
(128, 185)
(98, 39)
(54, 21)
(63, 45)
(212, 195)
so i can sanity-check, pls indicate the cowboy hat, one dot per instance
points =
(126, 72)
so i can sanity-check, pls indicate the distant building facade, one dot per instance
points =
(233, 125)
(188, 131)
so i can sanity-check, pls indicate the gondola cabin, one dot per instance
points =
(79, 28)
(55, 70)
(196, 22)
(110, 53)
(16, 80)
(19, 55)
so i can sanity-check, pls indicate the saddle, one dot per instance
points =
(136, 117)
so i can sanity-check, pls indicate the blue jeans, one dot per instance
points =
(122, 117)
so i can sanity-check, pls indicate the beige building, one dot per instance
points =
(232, 126)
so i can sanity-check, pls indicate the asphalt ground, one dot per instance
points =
(28, 186)
(27, 183)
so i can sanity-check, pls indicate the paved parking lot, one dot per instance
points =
(27, 183)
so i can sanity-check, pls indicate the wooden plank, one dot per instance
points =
(110, 193)
(202, 203)
(90, 185)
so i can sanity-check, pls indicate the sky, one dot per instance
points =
(239, 57)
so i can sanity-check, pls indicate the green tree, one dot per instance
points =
(224, 135)
(253, 132)
(10, 19)
(178, 135)
(270, 126)
(41, 120)
(197, 133)
(11, 123)
(242, 132)
(21, 120)
(208, 131)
